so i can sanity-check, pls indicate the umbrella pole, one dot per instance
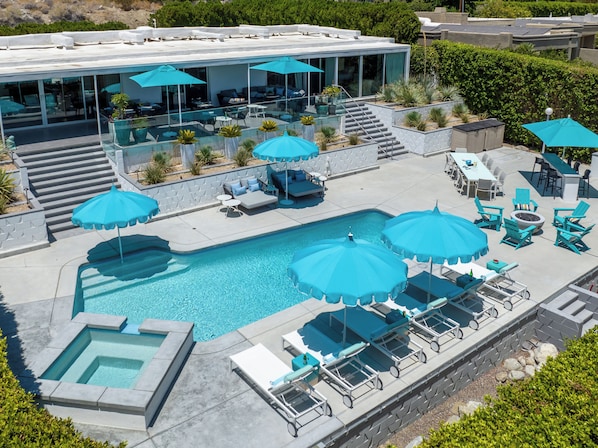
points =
(2, 129)
(286, 91)
(168, 104)
(286, 200)
(120, 246)
(345, 328)
(430, 280)
(178, 93)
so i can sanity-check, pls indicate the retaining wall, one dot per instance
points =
(23, 231)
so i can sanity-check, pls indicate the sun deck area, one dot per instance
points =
(212, 405)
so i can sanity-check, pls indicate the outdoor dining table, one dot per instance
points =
(570, 177)
(472, 168)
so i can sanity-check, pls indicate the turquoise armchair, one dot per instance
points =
(491, 216)
(565, 217)
(572, 240)
(515, 236)
(523, 201)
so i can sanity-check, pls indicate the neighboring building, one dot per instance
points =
(49, 79)
(574, 34)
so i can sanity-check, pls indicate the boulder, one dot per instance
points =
(469, 408)
(415, 442)
(502, 376)
(512, 364)
(543, 351)
(516, 375)
(530, 370)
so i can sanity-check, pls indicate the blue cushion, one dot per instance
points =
(235, 185)
(279, 90)
(254, 187)
(252, 181)
(300, 177)
(239, 191)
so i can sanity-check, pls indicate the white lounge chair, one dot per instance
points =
(427, 319)
(390, 339)
(497, 286)
(285, 388)
(461, 295)
(341, 365)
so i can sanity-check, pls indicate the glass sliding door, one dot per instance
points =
(20, 103)
(348, 74)
(64, 99)
(395, 67)
(373, 66)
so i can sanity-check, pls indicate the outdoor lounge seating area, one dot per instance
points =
(296, 183)
(251, 192)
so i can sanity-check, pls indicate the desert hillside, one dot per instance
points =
(13, 12)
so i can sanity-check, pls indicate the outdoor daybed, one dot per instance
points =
(250, 192)
(298, 184)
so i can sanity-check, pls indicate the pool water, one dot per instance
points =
(219, 289)
(105, 358)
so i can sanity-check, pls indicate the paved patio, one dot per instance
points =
(211, 406)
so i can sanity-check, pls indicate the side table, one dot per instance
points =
(307, 359)
(232, 204)
(495, 265)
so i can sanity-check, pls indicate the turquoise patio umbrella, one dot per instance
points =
(563, 132)
(115, 209)
(286, 148)
(348, 270)
(434, 236)
(167, 75)
(286, 65)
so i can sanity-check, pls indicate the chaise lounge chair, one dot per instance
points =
(426, 319)
(251, 192)
(285, 388)
(391, 339)
(497, 286)
(341, 365)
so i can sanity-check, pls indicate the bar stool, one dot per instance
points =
(553, 181)
(543, 173)
(539, 161)
(584, 184)
(576, 166)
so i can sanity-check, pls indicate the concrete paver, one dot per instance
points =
(210, 406)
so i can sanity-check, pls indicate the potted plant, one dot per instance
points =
(231, 134)
(122, 131)
(332, 92)
(269, 128)
(186, 139)
(140, 125)
(307, 122)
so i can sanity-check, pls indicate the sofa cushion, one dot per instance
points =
(254, 187)
(238, 191)
(300, 177)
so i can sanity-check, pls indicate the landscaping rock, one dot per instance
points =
(516, 375)
(453, 419)
(415, 442)
(502, 377)
(544, 351)
(512, 364)
(530, 370)
(469, 408)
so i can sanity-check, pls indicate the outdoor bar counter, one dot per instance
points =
(570, 183)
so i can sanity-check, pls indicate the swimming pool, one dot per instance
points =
(219, 289)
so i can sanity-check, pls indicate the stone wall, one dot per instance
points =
(23, 231)
(423, 142)
(201, 191)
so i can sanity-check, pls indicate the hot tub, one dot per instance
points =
(101, 371)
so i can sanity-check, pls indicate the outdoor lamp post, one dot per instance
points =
(548, 113)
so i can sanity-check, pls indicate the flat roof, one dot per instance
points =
(87, 53)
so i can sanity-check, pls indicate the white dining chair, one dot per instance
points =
(486, 186)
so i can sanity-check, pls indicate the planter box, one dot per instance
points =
(201, 191)
(23, 231)
(423, 142)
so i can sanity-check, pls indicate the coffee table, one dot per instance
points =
(526, 218)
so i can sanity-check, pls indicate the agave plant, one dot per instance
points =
(268, 126)
(461, 111)
(413, 118)
(438, 116)
(387, 94)
(328, 133)
(449, 93)
(7, 185)
(206, 155)
(307, 120)
(186, 137)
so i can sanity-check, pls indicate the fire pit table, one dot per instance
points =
(526, 218)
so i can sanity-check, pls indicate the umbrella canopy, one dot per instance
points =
(286, 148)
(112, 88)
(563, 132)
(286, 65)
(348, 270)
(434, 236)
(166, 75)
(115, 209)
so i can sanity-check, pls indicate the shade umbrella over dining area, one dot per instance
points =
(286, 148)
(348, 270)
(563, 132)
(163, 76)
(115, 209)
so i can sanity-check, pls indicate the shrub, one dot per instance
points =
(186, 137)
(162, 160)
(24, 424)
(438, 116)
(449, 93)
(154, 174)
(461, 111)
(242, 157)
(7, 185)
(195, 168)
(268, 126)
(328, 133)
(307, 120)
(412, 118)
(230, 131)
(354, 139)
(248, 144)
(292, 132)
(387, 94)
(206, 155)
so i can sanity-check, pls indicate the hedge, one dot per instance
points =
(517, 88)
(394, 19)
(558, 407)
(24, 424)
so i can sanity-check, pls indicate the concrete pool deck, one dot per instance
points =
(211, 406)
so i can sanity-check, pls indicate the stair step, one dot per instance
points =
(584, 315)
(61, 152)
(48, 168)
(63, 159)
(563, 300)
(574, 308)
(75, 181)
(67, 196)
(589, 325)
(66, 173)
(52, 210)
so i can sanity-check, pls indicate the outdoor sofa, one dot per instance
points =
(250, 191)
(298, 183)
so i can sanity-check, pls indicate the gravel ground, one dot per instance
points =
(475, 391)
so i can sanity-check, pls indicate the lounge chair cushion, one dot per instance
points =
(290, 377)
(523, 207)
(254, 187)
(387, 329)
(300, 177)
(252, 181)
(437, 303)
(352, 349)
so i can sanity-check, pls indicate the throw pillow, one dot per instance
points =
(239, 191)
(279, 90)
(254, 187)
(300, 177)
(235, 185)
(252, 181)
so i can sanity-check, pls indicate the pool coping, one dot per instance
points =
(121, 408)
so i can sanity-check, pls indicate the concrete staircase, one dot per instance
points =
(64, 176)
(361, 121)
(569, 315)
